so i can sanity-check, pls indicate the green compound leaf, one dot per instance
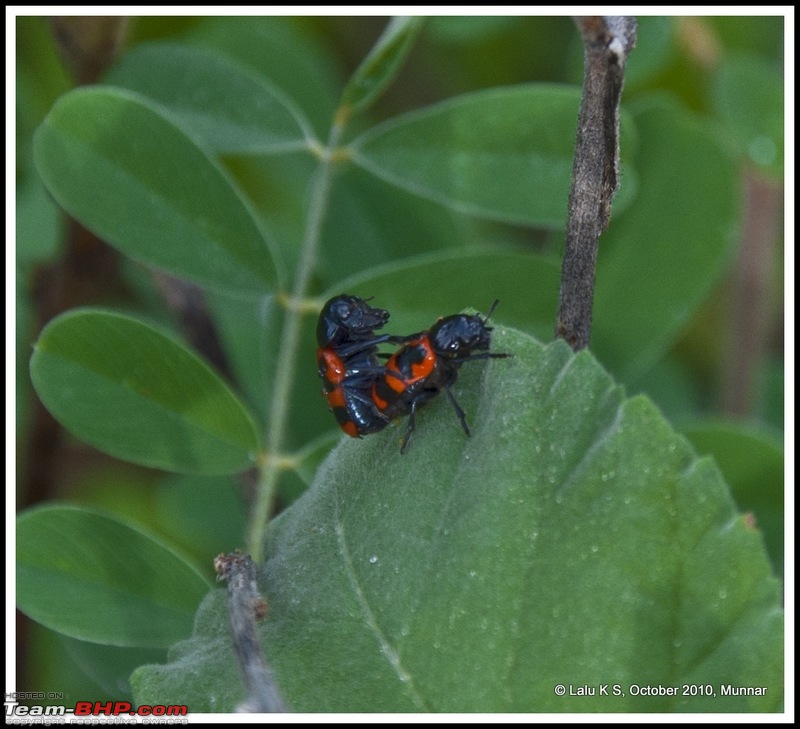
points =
(114, 161)
(224, 104)
(134, 392)
(94, 578)
(504, 153)
(573, 540)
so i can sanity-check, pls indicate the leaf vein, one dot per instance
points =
(591, 452)
(386, 648)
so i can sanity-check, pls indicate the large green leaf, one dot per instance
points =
(136, 393)
(94, 578)
(114, 161)
(503, 153)
(573, 540)
(227, 106)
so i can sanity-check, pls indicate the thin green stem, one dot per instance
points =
(289, 345)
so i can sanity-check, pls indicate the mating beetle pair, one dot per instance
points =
(364, 394)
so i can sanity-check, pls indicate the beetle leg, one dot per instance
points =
(459, 412)
(409, 427)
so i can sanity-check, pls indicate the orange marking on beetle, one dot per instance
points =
(335, 371)
(350, 428)
(336, 398)
(424, 368)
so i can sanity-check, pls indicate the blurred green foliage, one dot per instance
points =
(707, 88)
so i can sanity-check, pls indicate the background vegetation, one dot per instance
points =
(688, 312)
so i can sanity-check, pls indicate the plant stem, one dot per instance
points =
(245, 607)
(607, 42)
(289, 344)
